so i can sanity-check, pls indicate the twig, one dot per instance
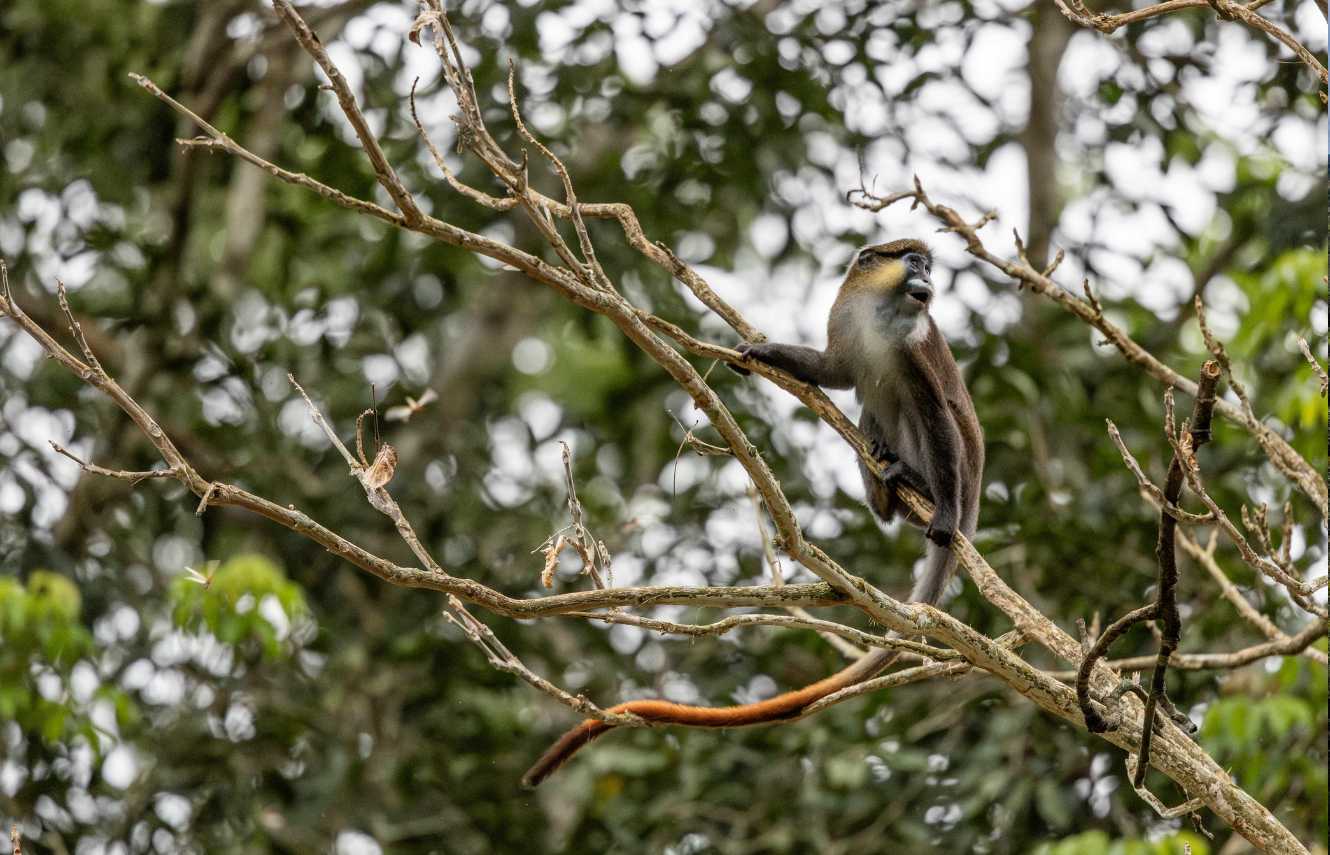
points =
(591, 264)
(501, 658)
(1206, 557)
(1150, 489)
(1256, 522)
(132, 477)
(1189, 806)
(205, 499)
(76, 329)
(1298, 590)
(383, 171)
(1321, 376)
(1077, 13)
(1166, 597)
(477, 196)
(1308, 480)
(325, 427)
(217, 140)
(701, 447)
(1094, 722)
(1286, 645)
(595, 556)
(826, 627)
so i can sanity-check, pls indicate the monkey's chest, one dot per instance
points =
(893, 413)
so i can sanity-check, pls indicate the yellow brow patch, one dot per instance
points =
(885, 276)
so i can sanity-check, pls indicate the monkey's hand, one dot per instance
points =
(804, 363)
(745, 351)
(763, 351)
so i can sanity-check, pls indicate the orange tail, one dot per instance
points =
(562, 751)
(788, 705)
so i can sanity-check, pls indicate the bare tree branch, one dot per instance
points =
(1317, 369)
(720, 627)
(1077, 12)
(1206, 557)
(1286, 645)
(383, 171)
(1196, 434)
(132, 477)
(584, 283)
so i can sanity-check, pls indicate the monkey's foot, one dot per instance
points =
(901, 474)
(942, 534)
(882, 453)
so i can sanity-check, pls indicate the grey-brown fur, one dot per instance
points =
(882, 342)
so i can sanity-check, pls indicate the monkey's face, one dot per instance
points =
(898, 273)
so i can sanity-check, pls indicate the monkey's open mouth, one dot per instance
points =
(918, 291)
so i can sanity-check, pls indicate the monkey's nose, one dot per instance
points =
(917, 289)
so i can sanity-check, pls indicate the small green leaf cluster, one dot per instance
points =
(227, 605)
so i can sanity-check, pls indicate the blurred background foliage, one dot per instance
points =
(295, 704)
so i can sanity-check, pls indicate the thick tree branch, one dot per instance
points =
(1176, 755)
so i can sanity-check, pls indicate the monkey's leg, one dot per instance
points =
(901, 474)
(882, 499)
(806, 363)
(939, 457)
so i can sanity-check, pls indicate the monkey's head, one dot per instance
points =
(899, 272)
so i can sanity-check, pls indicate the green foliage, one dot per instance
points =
(1288, 288)
(1269, 735)
(41, 637)
(1098, 843)
(228, 603)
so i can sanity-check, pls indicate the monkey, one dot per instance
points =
(921, 423)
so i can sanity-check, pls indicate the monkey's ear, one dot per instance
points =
(869, 256)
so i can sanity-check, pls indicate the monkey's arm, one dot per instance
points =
(806, 363)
